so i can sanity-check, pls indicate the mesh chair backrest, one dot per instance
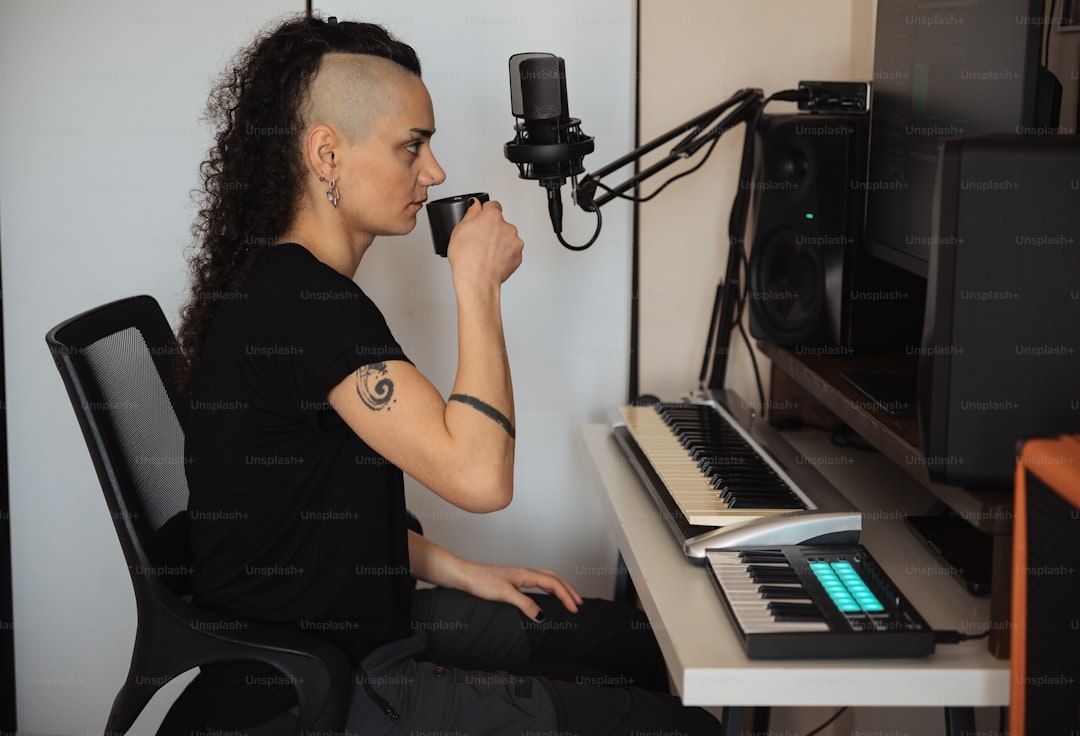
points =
(144, 423)
(116, 362)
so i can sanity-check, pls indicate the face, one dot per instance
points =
(384, 178)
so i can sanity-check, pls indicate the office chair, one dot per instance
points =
(116, 361)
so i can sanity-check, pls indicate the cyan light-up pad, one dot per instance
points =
(845, 588)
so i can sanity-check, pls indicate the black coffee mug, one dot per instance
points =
(444, 215)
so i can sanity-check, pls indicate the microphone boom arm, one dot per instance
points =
(742, 107)
(746, 103)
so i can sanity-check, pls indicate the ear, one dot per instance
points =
(320, 146)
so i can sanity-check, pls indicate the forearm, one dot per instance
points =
(431, 563)
(480, 415)
(483, 367)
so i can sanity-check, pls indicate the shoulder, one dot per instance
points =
(294, 264)
(295, 296)
(288, 277)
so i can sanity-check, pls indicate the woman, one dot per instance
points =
(305, 411)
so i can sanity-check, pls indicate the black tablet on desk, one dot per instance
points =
(964, 551)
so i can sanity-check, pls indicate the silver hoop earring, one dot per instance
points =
(333, 194)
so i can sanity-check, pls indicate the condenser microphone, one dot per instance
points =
(548, 146)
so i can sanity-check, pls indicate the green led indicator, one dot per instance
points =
(809, 215)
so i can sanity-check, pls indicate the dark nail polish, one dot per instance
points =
(540, 616)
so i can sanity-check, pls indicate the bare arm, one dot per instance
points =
(463, 450)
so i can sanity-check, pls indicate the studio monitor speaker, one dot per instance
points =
(809, 282)
(1000, 359)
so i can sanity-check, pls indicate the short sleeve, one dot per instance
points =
(333, 324)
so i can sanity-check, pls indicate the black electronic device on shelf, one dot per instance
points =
(964, 551)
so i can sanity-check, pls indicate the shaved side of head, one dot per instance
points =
(351, 91)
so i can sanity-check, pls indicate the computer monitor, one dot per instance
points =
(941, 70)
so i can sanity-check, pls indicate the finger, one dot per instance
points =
(555, 575)
(569, 589)
(473, 211)
(493, 204)
(555, 585)
(526, 605)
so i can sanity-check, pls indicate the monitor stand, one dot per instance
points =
(893, 393)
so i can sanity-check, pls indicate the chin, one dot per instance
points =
(402, 228)
(410, 224)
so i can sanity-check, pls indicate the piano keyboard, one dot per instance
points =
(710, 468)
(811, 602)
(717, 488)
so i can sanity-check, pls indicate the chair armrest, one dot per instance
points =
(187, 636)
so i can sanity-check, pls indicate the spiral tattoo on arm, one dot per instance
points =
(374, 387)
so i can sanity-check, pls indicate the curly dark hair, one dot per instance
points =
(252, 178)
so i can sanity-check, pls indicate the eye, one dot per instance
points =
(414, 147)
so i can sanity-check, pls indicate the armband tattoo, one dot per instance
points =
(487, 410)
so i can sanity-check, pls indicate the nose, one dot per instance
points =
(435, 173)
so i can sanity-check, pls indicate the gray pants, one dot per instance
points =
(476, 667)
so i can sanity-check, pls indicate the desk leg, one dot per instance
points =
(959, 721)
(1001, 596)
(624, 586)
(733, 718)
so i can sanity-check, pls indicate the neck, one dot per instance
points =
(328, 240)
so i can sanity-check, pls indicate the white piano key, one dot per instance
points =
(747, 606)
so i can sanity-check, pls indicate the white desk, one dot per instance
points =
(703, 654)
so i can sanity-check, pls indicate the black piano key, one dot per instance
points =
(749, 489)
(759, 476)
(762, 482)
(751, 556)
(759, 481)
(783, 592)
(750, 500)
(733, 495)
(738, 503)
(741, 498)
(709, 446)
(765, 574)
(710, 457)
(737, 490)
(794, 611)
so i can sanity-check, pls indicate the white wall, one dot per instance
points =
(100, 141)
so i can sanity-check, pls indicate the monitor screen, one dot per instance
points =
(941, 70)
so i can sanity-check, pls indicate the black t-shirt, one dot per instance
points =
(294, 519)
